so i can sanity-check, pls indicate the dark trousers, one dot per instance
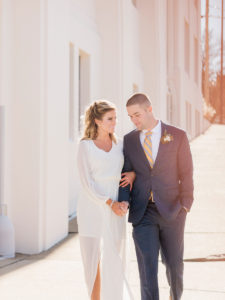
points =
(151, 234)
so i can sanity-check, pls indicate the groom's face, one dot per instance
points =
(140, 115)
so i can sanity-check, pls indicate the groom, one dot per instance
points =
(161, 197)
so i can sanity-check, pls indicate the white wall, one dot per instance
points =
(125, 45)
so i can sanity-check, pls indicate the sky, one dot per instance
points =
(214, 29)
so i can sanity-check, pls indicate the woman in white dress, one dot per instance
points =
(101, 219)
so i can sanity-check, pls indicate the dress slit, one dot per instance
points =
(91, 256)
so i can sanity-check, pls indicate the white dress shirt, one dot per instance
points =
(155, 138)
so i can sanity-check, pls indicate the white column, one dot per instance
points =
(26, 120)
(39, 113)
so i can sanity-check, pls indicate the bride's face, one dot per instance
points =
(108, 122)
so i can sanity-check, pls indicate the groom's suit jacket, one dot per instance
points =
(170, 179)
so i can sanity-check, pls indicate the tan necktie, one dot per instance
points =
(148, 147)
(148, 153)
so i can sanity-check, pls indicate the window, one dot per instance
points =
(79, 88)
(196, 59)
(186, 48)
(84, 84)
(188, 117)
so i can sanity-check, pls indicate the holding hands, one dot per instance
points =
(119, 208)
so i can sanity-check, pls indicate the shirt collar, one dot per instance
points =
(156, 129)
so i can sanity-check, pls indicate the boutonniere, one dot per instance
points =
(166, 138)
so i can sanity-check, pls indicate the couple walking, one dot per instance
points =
(156, 188)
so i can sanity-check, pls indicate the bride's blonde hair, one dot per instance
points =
(96, 110)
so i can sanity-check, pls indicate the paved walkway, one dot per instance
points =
(58, 274)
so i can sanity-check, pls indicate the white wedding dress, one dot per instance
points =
(102, 233)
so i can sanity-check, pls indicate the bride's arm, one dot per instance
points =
(85, 177)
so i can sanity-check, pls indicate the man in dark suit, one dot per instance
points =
(161, 196)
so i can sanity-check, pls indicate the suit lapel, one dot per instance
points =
(161, 146)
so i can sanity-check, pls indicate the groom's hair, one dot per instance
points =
(140, 99)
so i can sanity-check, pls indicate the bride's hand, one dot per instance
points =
(127, 178)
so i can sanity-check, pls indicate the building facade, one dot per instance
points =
(56, 56)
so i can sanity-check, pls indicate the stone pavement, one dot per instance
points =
(58, 274)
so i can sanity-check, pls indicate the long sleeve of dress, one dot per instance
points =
(85, 175)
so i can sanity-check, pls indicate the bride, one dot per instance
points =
(101, 219)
